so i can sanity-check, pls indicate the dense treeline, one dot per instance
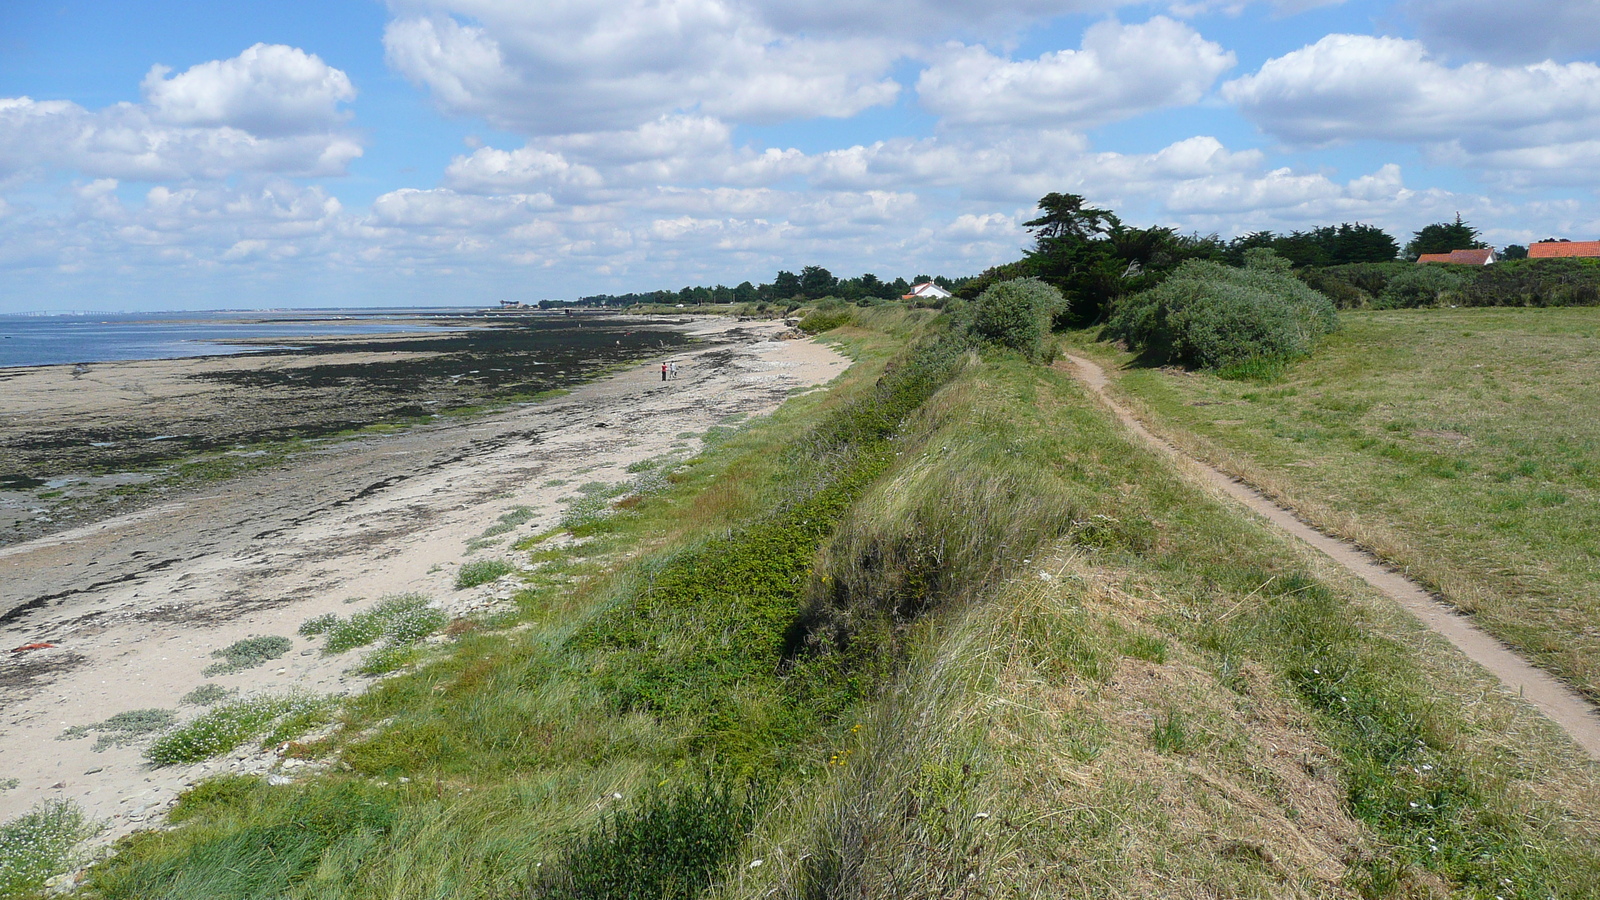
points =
(813, 283)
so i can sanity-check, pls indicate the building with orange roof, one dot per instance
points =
(1460, 257)
(1564, 250)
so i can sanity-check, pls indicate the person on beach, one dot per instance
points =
(672, 372)
(663, 371)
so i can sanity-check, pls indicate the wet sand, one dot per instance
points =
(73, 441)
(136, 604)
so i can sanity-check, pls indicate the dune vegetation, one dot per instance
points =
(943, 630)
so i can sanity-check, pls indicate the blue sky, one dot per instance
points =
(172, 155)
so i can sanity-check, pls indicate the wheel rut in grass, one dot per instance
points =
(1558, 702)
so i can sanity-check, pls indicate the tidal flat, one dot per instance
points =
(78, 445)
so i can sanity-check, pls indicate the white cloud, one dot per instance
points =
(1121, 71)
(268, 110)
(1353, 87)
(1530, 31)
(489, 171)
(268, 90)
(568, 67)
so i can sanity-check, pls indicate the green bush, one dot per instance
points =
(1354, 285)
(1533, 282)
(820, 320)
(1208, 315)
(1015, 314)
(1422, 285)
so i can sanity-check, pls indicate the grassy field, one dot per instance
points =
(1461, 445)
(944, 633)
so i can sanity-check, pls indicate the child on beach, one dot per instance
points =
(663, 371)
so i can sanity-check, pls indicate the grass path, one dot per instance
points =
(1564, 706)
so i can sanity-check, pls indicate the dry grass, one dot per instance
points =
(1461, 445)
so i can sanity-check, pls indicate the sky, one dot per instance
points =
(173, 155)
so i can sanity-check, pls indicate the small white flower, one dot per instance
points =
(981, 816)
(616, 796)
(1414, 806)
(756, 863)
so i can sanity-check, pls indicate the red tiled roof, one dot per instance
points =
(1459, 257)
(1561, 249)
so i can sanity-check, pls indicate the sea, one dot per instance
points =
(45, 340)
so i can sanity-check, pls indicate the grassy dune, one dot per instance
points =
(1461, 445)
(943, 631)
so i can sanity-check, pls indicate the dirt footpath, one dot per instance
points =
(136, 605)
(1562, 705)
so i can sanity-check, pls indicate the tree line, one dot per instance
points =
(811, 283)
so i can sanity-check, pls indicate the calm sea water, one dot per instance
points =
(102, 337)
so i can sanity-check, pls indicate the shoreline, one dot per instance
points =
(74, 443)
(136, 606)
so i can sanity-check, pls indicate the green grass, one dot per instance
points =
(482, 571)
(1461, 445)
(969, 640)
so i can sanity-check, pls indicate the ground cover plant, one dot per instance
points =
(38, 845)
(963, 638)
(399, 619)
(224, 728)
(247, 654)
(123, 728)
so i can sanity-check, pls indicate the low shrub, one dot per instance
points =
(1422, 285)
(1353, 285)
(1533, 282)
(38, 845)
(1208, 315)
(247, 654)
(1015, 314)
(820, 320)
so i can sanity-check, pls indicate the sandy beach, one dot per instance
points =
(134, 605)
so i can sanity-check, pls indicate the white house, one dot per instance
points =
(927, 290)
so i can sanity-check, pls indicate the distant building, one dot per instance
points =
(1564, 250)
(927, 290)
(1460, 258)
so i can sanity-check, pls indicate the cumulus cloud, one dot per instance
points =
(1532, 31)
(562, 68)
(1121, 71)
(268, 90)
(1352, 87)
(271, 109)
